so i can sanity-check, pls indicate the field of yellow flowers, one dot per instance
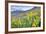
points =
(31, 19)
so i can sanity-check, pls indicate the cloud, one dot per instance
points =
(21, 8)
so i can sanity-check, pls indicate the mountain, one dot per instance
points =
(17, 13)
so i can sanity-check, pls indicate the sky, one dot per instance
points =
(21, 8)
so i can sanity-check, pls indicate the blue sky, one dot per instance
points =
(21, 8)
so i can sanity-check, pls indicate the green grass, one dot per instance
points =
(32, 19)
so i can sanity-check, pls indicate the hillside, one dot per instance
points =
(30, 18)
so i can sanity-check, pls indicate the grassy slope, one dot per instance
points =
(30, 19)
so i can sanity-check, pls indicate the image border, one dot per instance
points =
(24, 29)
(6, 16)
